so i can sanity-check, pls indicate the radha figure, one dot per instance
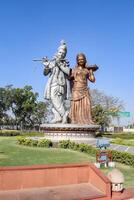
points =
(80, 110)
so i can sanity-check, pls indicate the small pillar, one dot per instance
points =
(117, 180)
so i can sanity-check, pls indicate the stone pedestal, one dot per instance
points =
(69, 131)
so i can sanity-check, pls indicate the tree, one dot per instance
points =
(104, 107)
(100, 116)
(40, 113)
(23, 105)
(2, 105)
(107, 102)
(5, 103)
(19, 107)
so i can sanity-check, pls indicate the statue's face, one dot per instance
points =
(81, 60)
(61, 54)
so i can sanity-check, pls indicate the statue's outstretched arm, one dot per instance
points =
(48, 65)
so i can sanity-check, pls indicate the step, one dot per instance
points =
(82, 191)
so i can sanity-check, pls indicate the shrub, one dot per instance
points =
(21, 140)
(123, 157)
(72, 145)
(44, 143)
(76, 146)
(83, 147)
(28, 142)
(34, 143)
(65, 144)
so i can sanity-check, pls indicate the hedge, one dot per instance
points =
(18, 132)
(9, 132)
(34, 143)
(67, 144)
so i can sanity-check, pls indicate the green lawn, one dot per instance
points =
(125, 142)
(12, 154)
(124, 135)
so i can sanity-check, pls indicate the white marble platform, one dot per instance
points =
(69, 131)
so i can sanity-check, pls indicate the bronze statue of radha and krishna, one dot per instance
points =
(64, 82)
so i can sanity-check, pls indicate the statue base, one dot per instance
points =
(69, 131)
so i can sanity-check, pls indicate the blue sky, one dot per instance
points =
(102, 29)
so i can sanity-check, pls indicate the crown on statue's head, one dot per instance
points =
(62, 46)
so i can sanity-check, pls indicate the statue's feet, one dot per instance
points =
(56, 120)
(65, 118)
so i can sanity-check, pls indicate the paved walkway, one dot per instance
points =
(117, 147)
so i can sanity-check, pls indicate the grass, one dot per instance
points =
(12, 154)
(124, 135)
(123, 141)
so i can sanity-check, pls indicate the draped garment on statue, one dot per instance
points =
(80, 110)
